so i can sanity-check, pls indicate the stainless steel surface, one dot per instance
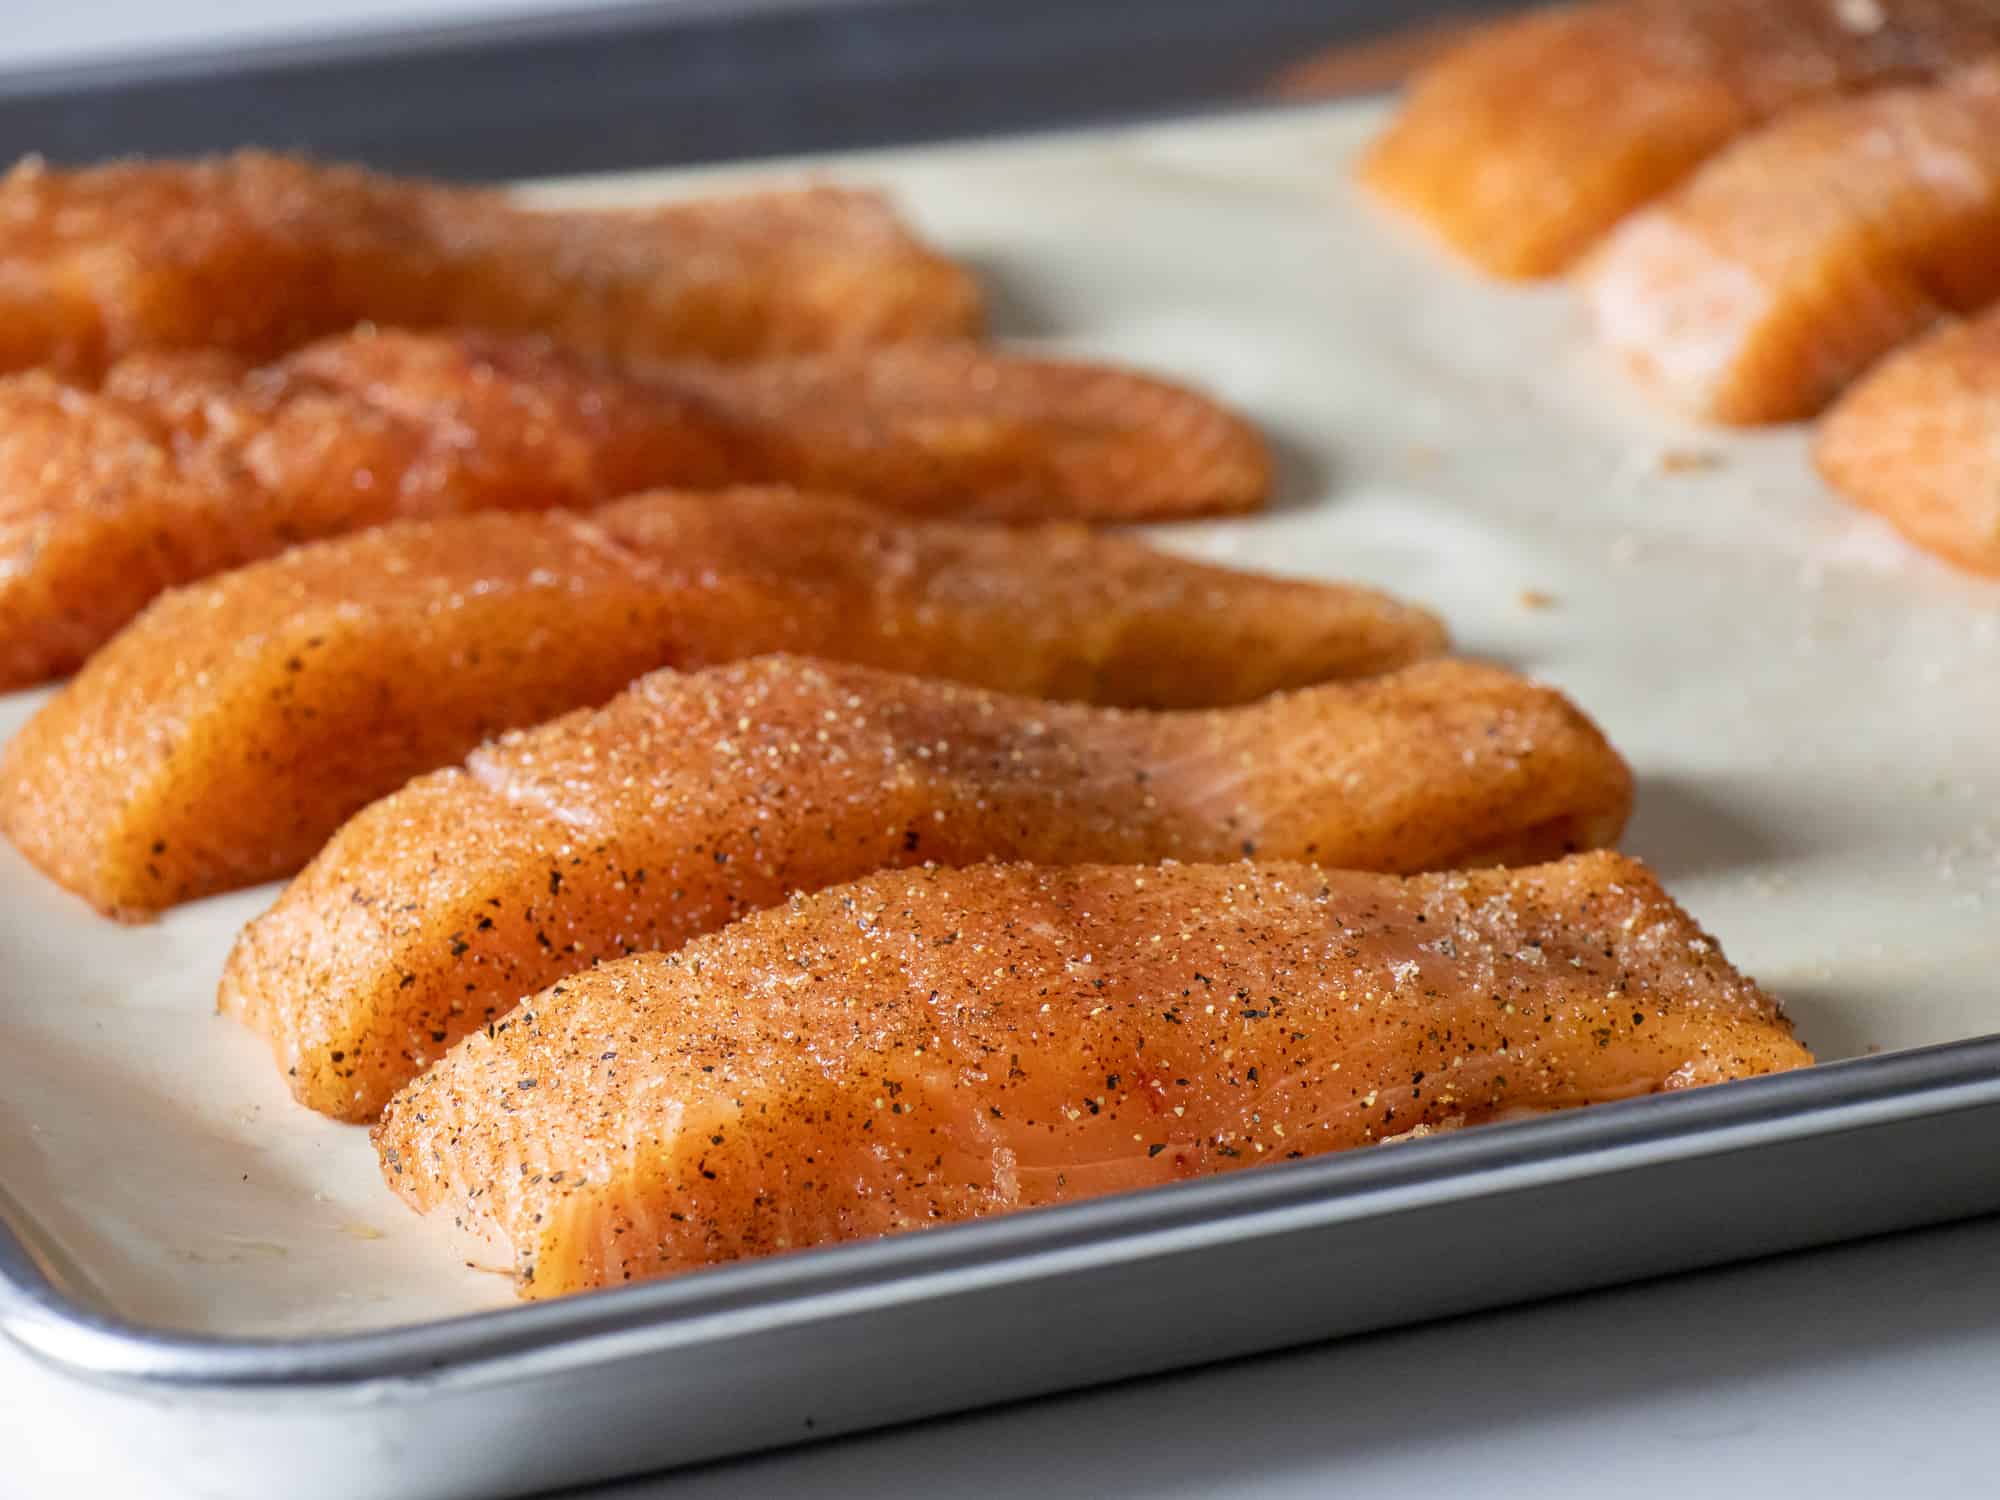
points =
(658, 84)
(786, 1350)
(1934, 1100)
(761, 1355)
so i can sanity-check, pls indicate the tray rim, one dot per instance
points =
(66, 1333)
(63, 1332)
(702, 82)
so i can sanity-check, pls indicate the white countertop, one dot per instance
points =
(1863, 1370)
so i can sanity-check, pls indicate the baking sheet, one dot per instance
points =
(1810, 707)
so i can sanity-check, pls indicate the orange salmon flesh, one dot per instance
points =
(1792, 262)
(1528, 141)
(182, 466)
(225, 735)
(256, 254)
(927, 1047)
(693, 799)
(1917, 441)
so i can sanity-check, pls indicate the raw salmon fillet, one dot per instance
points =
(223, 737)
(1917, 440)
(1528, 141)
(925, 1047)
(694, 798)
(1797, 258)
(184, 465)
(257, 254)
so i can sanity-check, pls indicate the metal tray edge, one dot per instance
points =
(705, 81)
(45, 1317)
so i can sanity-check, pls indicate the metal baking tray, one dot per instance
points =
(639, 84)
(221, 1295)
(761, 1355)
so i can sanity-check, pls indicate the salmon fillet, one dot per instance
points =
(694, 798)
(926, 1047)
(184, 465)
(1793, 261)
(1917, 441)
(1531, 139)
(256, 254)
(223, 737)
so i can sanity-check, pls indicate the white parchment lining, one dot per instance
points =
(1813, 710)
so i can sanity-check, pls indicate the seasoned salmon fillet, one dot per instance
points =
(1917, 440)
(184, 465)
(1791, 262)
(1528, 141)
(223, 737)
(930, 1046)
(256, 254)
(694, 798)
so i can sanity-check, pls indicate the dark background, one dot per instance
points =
(661, 85)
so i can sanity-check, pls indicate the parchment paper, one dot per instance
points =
(1812, 708)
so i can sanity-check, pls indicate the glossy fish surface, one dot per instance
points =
(1917, 440)
(182, 465)
(1788, 265)
(255, 254)
(226, 734)
(1529, 140)
(692, 799)
(926, 1047)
